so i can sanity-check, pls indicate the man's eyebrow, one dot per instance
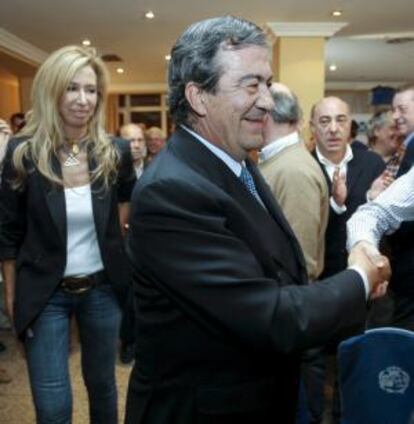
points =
(341, 115)
(253, 76)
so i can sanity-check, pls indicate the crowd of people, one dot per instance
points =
(229, 281)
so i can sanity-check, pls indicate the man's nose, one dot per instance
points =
(396, 114)
(265, 100)
(333, 126)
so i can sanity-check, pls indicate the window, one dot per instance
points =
(147, 108)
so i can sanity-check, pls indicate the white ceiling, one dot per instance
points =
(118, 26)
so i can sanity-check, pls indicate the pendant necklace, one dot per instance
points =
(73, 152)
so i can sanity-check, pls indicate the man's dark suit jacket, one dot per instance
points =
(223, 306)
(33, 231)
(363, 169)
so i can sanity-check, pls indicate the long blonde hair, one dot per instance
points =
(44, 129)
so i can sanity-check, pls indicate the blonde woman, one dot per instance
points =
(65, 186)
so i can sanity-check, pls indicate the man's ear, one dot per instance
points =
(195, 97)
(312, 127)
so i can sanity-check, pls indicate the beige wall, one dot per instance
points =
(298, 62)
(25, 92)
(9, 94)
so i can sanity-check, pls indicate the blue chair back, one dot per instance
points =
(376, 377)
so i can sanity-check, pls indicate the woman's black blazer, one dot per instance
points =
(33, 231)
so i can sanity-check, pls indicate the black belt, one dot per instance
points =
(79, 285)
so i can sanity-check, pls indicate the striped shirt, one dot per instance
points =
(385, 214)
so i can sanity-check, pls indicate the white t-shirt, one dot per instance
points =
(83, 254)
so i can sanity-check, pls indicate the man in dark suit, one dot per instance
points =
(223, 305)
(350, 173)
(403, 114)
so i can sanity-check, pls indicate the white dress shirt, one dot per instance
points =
(276, 146)
(236, 167)
(139, 170)
(331, 167)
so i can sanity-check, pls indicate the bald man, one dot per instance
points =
(350, 174)
(135, 135)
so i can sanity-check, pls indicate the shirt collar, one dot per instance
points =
(276, 146)
(326, 162)
(235, 167)
(139, 169)
(409, 139)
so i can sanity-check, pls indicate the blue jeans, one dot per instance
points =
(47, 351)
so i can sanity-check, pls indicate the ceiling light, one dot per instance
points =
(86, 42)
(120, 70)
(168, 57)
(150, 14)
(337, 13)
(333, 67)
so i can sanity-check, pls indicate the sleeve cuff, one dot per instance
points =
(338, 209)
(364, 278)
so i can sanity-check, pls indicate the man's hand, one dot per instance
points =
(339, 188)
(380, 184)
(376, 266)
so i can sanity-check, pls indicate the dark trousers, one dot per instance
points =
(128, 327)
(403, 311)
(316, 366)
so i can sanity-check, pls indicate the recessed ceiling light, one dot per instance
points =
(337, 13)
(150, 14)
(120, 70)
(86, 42)
(168, 57)
(333, 67)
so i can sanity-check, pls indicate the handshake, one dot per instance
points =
(376, 266)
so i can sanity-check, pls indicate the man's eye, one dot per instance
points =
(253, 87)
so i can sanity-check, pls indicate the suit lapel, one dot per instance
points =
(101, 203)
(196, 155)
(352, 174)
(55, 199)
(277, 214)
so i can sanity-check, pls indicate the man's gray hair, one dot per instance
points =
(194, 57)
(286, 109)
(379, 120)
